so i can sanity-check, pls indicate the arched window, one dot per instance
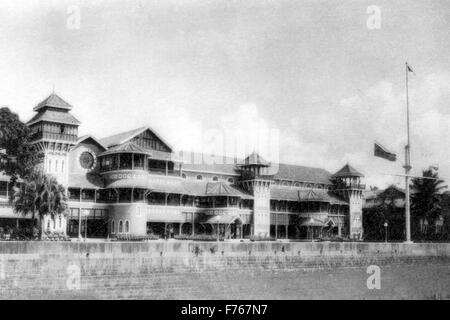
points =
(215, 178)
(127, 226)
(199, 177)
(113, 226)
(120, 226)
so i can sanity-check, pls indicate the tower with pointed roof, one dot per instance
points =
(54, 132)
(256, 179)
(348, 184)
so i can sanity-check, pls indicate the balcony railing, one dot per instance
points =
(54, 136)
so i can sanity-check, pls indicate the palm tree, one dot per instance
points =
(40, 195)
(426, 198)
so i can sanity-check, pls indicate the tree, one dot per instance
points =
(387, 209)
(15, 139)
(426, 199)
(40, 195)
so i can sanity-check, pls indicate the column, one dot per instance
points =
(79, 223)
(287, 229)
(167, 168)
(192, 230)
(181, 229)
(276, 226)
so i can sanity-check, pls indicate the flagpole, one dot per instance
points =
(407, 166)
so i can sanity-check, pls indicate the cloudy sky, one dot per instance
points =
(317, 81)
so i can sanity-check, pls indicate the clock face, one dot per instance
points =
(87, 160)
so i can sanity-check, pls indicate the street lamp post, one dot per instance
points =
(385, 231)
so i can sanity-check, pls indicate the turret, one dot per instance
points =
(255, 178)
(54, 132)
(348, 184)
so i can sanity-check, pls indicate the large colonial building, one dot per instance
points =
(134, 183)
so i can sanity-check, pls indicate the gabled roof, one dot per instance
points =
(301, 173)
(86, 137)
(128, 135)
(221, 189)
(53, 101)
(200, 162)
(54, 116)
(254, 159)
(127, 147)
(347, 171)
(317, 195)
(202, 188)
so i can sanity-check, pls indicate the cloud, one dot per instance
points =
(346, 133)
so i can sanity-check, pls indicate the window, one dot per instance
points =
(127, 226)
(215, 178)
(120, 226)
(113, 226)
(62, 129)
(199, 177)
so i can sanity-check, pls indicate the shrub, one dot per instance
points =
(260, 238)
(199, 237)
(133, 237)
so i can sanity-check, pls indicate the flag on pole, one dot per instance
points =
(410, 69)
(382, 152)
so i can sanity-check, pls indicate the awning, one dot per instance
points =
(171, 186)
(223, 219)
(311, 222)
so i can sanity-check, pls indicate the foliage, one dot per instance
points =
(426, 201)
(15, 138)
(260, 238)
(40, 195)
(132, 237)
(387, 210)
(198, 237)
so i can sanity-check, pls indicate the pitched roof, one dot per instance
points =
(54, 116)
(301, 173)
(318, 195)
(127, 147)
(254, 159)
(221, 189)
(86, 137)
(127, 135)
(200, 162)
(203, 188)
(347, 171)
(53, 101)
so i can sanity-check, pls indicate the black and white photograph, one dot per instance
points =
(224, 154)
